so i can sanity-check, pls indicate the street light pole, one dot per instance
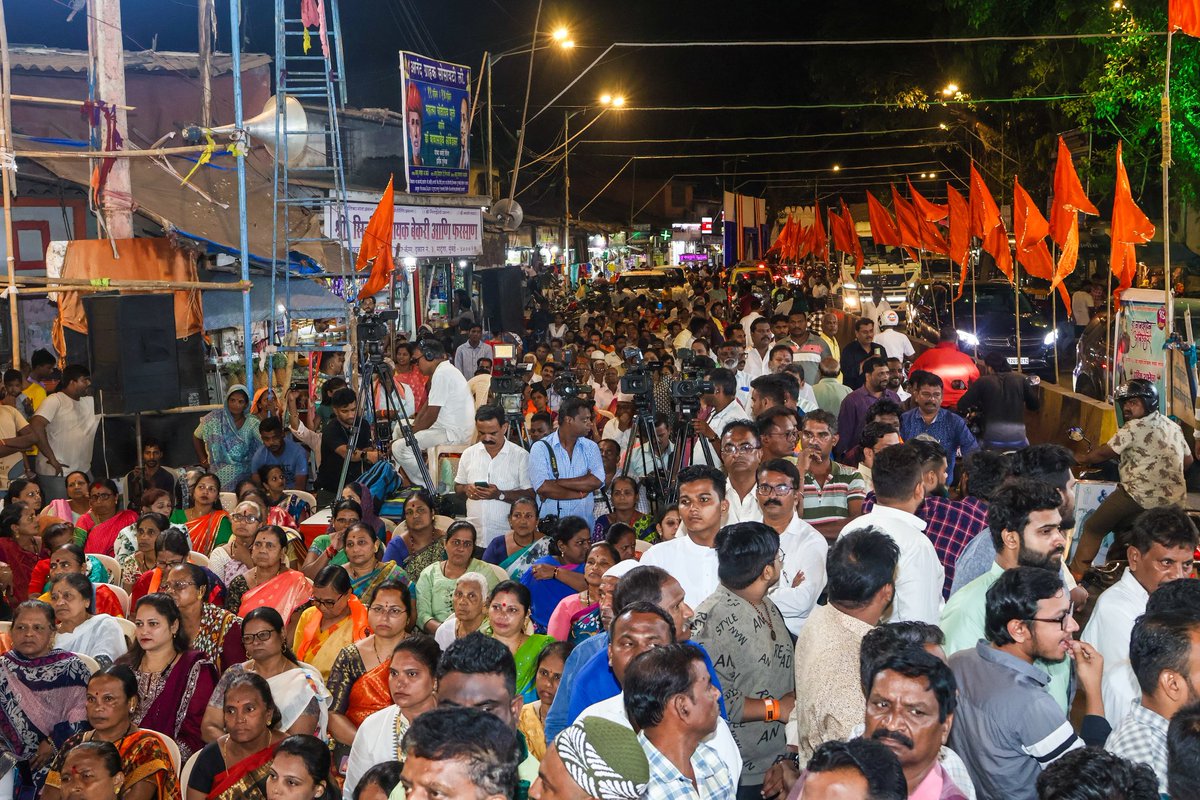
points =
(566, 195)
(491, 193)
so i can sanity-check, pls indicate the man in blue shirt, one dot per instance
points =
(565, 467)
(587, 677)
(281, 450)
(931, 419)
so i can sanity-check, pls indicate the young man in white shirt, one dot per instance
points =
(691, 559)
(726, 409)
(899, 491)
(65, 426)
(741, 449)
(501, 465)
(449, 412)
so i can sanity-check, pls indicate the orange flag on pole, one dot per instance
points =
(883, 227)
(1068, 196)
(376, 246)
(1184, 15)
(960, 233)
(932, 212)
(1130, 227)
(857, 250)
(820, 245)
(1031, 229)
(987, 225)
(906, 220)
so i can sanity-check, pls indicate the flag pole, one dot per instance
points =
(1166, 164)
(1016, 306)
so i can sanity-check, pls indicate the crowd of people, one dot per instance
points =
(742, 545)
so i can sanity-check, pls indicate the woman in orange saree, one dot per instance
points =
(358, 680)
(206, 522)
(269, 582)
(336, 620)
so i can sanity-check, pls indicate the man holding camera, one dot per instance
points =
(448, 413)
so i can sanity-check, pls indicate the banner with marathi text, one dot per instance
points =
(436, 99)
(419, 231)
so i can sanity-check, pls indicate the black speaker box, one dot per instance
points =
(133, 353)
(503, 298)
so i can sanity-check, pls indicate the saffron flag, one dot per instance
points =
(987, 225)
(820, 245)
(1031, 230)
(960, 233)
(906, 220)
(1068, 196)
(837, 232)
(931, 212)
(852, 233)
(376, 246)
(883, 228)
(1130, 227)
(1184, 15)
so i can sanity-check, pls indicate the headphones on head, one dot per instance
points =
(430, 351)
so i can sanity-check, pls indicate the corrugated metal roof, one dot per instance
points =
(49, 59)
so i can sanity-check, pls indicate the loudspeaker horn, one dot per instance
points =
(508, 213)
(261, 128)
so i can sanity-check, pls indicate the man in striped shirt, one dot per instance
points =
(833, 494)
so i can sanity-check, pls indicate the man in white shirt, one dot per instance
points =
(893, 342)
(899, 491)
(876, 307)
(729, 356)
(726, 409)
(747, 322)
(65, 426)
(1162, 544)
(741, 450)
(758, 354)
(1082, 304)
(492, 473)
(691, 559)
(449, 412)
(620, 428)
(804, 548)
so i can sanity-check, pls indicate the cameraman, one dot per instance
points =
(725, 409)
(565, 467)
(339, 438)
(503, 469)
(448, 413)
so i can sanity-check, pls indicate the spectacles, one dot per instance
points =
(781, 489)
(261, 636)
(744, 447)
(792, 435)
(242, 517)
(319, 603)
(389, 611)
(168, 564)
(1061, 622)
(177, 586)
(103, 496)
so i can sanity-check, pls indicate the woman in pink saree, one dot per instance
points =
(103, 522)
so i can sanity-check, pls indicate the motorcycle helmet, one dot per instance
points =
(1139, 388)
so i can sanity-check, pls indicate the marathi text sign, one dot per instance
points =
(418, 231)
(437, 125)
(1141, 338)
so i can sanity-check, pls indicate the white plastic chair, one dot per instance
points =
(303, 495)
(122, 597)
(501, 572)
(186, 772)
(228, 501)
(127, 628)
(110, 564)
(6, 628)
(641, 546)
(89, 662)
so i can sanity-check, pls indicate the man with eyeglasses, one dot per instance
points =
(804, 548)
(899, 491)
(833, 493)
(740, 454)
(210, 629)
(931, 419)
(1025, 524)
(1008, 728)
(690, 557)
(779, 431)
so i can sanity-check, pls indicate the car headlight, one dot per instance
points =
(969, 339)
(1051, 337)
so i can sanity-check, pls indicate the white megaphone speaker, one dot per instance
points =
(293, 126)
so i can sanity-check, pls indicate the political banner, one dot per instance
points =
(436, 98)
(418, 232)
(1141, 350)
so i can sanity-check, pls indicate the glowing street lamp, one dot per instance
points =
(837, 167)
(612, 101)
(561, 34)
(950, 90)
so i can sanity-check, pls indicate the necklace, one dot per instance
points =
(375, 648)
(765, 618)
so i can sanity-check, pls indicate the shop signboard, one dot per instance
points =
(436, 99)
(1141, 338)
(418, 231)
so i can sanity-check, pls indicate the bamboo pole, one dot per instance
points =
(1166, 194)
(58, 101)
(8, 188)
(73, 284)
(153, 153)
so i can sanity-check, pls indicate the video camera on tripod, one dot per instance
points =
(637, 380)
(509, 380)
(689, 386)
(371, 328)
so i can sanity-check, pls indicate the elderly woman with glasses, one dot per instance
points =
(435, 587)
(336, 619)
(234, 557)
(298, 689)
(211, 629)
(358, 679)
(103, 522)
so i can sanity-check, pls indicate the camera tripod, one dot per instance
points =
(655, 479)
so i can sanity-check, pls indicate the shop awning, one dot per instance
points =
(306, 298)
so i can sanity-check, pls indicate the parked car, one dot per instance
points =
(662, 284)
(986, 323)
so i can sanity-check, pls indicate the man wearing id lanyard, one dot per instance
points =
(565, 467)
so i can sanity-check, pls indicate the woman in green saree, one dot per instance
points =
(508, 620)
(524, 544)
(366, 571)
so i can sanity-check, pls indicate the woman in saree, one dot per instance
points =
(206, 522)
(274, 483)
(624, 540)
(211, 629)
(358, 680)
(623, 494)
(269, 582)
(416, 543)
(547, 676)
(235, 558)
(508, 621)
(235, 764)
(276, 515)
(80, 628)
(435, 587)
(75, 504)
(470, 595)
(225, 439)
(68, 559)
(152, 500)
(299, 692)
(112, 696)
(335, 620)
(330, 548)
(20, 549)
(578, 615)
(265, 404)
(413, 667)
(94, 771)
(174, 681)
(172, 548)
(301, 769)
(410, 375)
(559, 574)
(145, 558)
(103, 522)
(42, 693)
(524, 544)
(366, 571)
(369, 505)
